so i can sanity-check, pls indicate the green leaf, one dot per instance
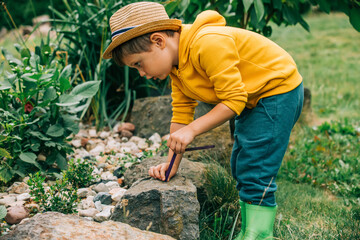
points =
(277, 4)
(259, 9)
(71, 122)
(61, 161)
(6, 174)
(68, 100)
(247, 4)
(4, 153)
(50, 94)
(66, 72)
(4, 85)
(39, 135)
(355, 18)
(3, 212)
(55, 130)
(86, 90)
(25, 53)
(324, 6)
(64, 84)
(171, 7)
(28, 157)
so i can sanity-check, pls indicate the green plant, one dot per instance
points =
(38, 111)
(256, 15)
(60, 197)
(79, 173)
(3, 212)
(327, 156)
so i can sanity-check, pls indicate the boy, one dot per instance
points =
(245, 74)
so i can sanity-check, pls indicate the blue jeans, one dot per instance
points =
(261, 138)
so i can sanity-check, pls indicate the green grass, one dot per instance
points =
(305, 212)
(328, 59)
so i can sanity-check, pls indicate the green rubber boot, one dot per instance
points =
(243, 221)
(259, 222)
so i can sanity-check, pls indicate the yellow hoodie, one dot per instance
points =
(233, 66)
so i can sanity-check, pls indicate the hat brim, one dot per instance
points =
(167, 24)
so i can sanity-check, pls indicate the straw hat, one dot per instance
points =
(137, 19)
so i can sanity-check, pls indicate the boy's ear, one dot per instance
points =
(158, 39)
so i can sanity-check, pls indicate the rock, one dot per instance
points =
(143, 145)
(161, 207)
(19, 188)
(87, 203)
(104, 135)
(53, 225)
(84, 141)
(98, 206)
(90, 212)
(151, 114)
(23, 197)
(32, 207)
(117, 194)
(76, 143)
(41, 157)
(103, 197)
(307, 100)
(191, 170)
(105, 214)
(15, 214)
(126, 134)
(108, 176)
(92, 133)
(220, 137)
(101, 187)
(82, 192)
(155, 138)
(111, 185)
(17, 204)
(100, 148)
(126, 126)
(118, 172)
(7, 201)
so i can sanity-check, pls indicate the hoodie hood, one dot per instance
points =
(189, 32)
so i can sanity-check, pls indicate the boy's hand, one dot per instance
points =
(178, 140)
(158, 172)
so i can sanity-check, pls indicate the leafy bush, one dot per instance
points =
(62, 195)
(84, 33)
(257, 14)
(326, 156)
(38, 112)
(79, 173)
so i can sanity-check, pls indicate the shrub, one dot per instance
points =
(38, 112)
(326, 156)
(62, 195)
(79, 173)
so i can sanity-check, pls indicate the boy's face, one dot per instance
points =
(156, 64)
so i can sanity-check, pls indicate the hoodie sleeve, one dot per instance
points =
(183, 106)
(218, 56)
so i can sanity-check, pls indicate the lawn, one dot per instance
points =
(328, 59)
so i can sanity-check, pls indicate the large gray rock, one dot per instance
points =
(171, 208)
(151, 114)
(191, 170)
(56, 226)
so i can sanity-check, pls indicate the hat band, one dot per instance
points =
(121, 31)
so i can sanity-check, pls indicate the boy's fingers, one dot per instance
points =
(157, 172)
(162, 172)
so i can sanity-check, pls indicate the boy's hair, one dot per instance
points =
(136, 45)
